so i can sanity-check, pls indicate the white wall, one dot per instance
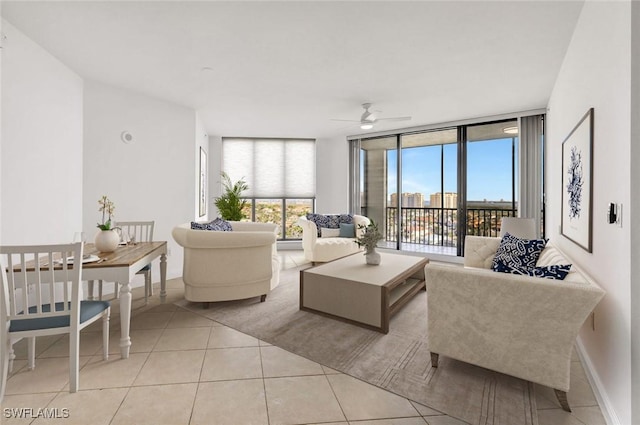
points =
(201, 141)
(332, 175)
(596, 73)
(41, 151)
(215, 167)
(1, 44)
(153, 177)
(634, 178)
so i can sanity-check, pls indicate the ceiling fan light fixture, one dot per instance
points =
(366, 125)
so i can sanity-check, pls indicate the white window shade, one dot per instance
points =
(273, 168)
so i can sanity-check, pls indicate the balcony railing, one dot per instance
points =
(438, 226)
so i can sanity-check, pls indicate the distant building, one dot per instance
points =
(409, 200)
(450, 200)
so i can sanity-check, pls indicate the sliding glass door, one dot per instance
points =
(427, 190)
(491, 176)
(428, 200)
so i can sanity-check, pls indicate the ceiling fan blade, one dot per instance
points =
(394, 119)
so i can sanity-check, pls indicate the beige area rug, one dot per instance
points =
(398, 362)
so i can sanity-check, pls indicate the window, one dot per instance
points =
(491, 177)
(281, 178)
(429, 185)
(429, 189)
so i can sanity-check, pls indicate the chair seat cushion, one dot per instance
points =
(88, 309)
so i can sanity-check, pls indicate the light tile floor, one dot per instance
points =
(185, 369)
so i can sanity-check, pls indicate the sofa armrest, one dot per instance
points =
(519, 325)
(309, 233)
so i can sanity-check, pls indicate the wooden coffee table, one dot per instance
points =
(366, 295)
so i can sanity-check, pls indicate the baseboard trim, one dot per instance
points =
(606, 406)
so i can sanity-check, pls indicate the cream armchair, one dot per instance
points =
(519, 325)
(320, 250)
(222, 266)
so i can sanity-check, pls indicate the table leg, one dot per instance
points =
(90, 288)
(125, 319)
(163, 277)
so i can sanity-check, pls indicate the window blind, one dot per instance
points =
(273, 168)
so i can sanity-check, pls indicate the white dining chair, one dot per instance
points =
(40, 296)
(133, 232)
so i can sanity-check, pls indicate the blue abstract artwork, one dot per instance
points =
(575, 183)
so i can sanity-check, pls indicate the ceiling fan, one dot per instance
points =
(367, 119)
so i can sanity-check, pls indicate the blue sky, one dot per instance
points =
(488, 170)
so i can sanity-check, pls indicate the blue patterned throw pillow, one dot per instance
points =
(218, 225)
(516, 253)
(555, 271)
(330, 221)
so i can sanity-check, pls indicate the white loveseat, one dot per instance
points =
(221, 266)
(321, 250)
(519, 325)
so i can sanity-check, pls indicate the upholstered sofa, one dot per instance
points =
(522, 326)
(319, 249)
(220, 266)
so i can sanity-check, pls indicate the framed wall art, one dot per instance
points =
(577, 188)
(202, 194)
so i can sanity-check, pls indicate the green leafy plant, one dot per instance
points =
(231, 203)
(107, 208)
(370, 237)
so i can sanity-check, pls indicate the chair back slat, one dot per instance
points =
(38, 288)
(30, 276)
(65, 287)
(141, 231)
(51, 278)
(25, 285)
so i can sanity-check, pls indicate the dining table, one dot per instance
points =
(120, 266)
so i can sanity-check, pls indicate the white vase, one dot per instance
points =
(372, 257)
(107, 240)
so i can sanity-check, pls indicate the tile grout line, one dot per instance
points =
(204, 357)
(121, 402)
(336, 397)
(264, 384)
(139, 371)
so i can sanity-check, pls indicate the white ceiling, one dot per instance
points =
(284, 69)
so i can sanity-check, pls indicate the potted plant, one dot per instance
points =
(369, 239)
(230, 204)
(107, 238)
